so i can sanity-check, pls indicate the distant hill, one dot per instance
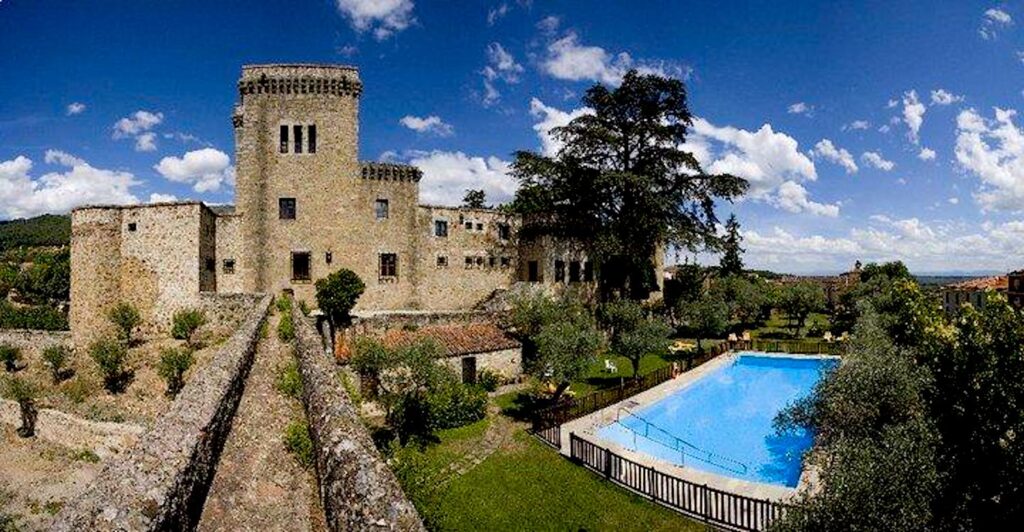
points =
(45, 230)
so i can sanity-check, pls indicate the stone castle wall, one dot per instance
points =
(229, 248)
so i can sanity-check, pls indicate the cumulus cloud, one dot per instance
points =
(447, 176)
(913, 115)
(138, 126)
(157, 197)
(75, 108)
(571, 60)
(501, 65)
(431, 124)
(926, 154)
(944, 97)
(992, 21)
(549, 24)
(206, 169)
(383, 18)
(857, 124)
(993, 151)
(496, 13)
(792, 197)
(875, 160)
(800, 108)
(77, 184)
(549, 118)
(828, 151)
(953, 200)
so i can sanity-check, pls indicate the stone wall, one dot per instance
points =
(33, 342)
(161, 483)
(229, 248)
(358, 490)
(508, 363)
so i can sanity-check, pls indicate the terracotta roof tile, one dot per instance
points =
(456, 340)
(998, 282)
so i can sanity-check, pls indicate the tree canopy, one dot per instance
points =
(475, 199)
(731, 263)
(622, 185)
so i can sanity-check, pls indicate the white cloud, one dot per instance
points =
(550, 118)
(501, 65)
(800, 108)
(858, 124)
(78, 184)
(944, 97)
(792, 197)
(382, 17)
(828, 151)
(953, 201)
(157, 197)
(431, 124)
(496, 13)
(993, 150)
(994, 20)
(138, 126)
(549, 24)
(913, 115)
(568, 59)
(447, 176)
(875, 160)
(926, 154)
(75, 108)
(206, 169)
(891, 104)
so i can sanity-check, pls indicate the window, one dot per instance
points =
(312, 138)
(300, 266)
(588, 272)
(574, 272)
(441, 228)
(286, 208)
(469, 262)
(479, 261)
(506, 262)
(381, 207)
(492, 261)
(479, 226)
(284, 139)
(297, 130)
(442, 261)
(211, 265)
(132, 227)
(229, 265)
(559, 271)
(328, 257)
(469, 225)
(533, 273)
(388, 265)
(504, 231)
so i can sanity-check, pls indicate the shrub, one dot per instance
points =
(10, 355)
(79, 390)
(489, 380)
(283, 304)
(337, 293)
(304, 307)
(298, 442)
(111, 355)
(173, 365)
(454, 405)
(289, 382)
(25, 394)
(56, 356)
(41, 317)
(286, 328)
(185, 324)
(125, 318)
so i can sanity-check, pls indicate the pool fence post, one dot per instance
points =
(607, 464)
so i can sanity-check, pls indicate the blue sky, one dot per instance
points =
(869, 130)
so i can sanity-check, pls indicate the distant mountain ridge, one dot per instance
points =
(40, 231)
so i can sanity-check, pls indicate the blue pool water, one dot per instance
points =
(722, 422)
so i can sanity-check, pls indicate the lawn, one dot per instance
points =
(525, 485)
(778, 326)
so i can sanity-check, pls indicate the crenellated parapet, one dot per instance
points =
(389, 171)
(300, 79)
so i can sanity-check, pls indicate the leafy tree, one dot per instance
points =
(337, 293)
(56, 356)
(10, 355)
(874, 280)
(565, 351)
(25, 393)
(799, 300)
(111, 357)
(47, 281)
(633, 333)
(125, 318)
(621, 185)
(173, 365)
(45, 230)
(687, 284)
(185, 323)
(475, 199)
(731, 263)
(707, 317)
(748, 300)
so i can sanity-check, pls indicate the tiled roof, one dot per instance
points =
(456, 340)
(998, 282)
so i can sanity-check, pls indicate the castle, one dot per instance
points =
(305, 206)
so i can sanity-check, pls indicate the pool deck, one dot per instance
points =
(588, 426)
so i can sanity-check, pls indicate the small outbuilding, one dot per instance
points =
(469, 348)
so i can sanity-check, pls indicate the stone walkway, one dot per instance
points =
(498, 434)
(258, 484)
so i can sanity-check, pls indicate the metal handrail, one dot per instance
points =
(680, 445)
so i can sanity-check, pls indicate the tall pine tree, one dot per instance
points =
(732, 263)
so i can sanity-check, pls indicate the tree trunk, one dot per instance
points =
(28, 418)
(562, 386)
(636, 367)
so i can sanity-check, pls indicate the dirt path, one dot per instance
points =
(258, 485)
(499, 434)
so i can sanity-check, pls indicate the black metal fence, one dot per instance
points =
(796, 346)
(714, 506)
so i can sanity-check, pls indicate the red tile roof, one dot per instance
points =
(456, 340)
(998, 282)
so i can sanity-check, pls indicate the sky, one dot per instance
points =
(868, 130)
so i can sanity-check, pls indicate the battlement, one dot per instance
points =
(297, 79)
(389, 171)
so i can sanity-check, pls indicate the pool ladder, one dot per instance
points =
(683, 447)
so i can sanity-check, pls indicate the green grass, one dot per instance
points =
(532, 487)
(778, 325)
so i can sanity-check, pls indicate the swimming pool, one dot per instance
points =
(722, 422)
